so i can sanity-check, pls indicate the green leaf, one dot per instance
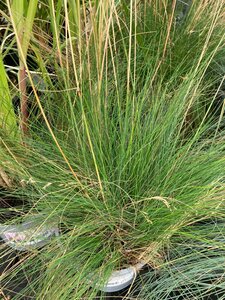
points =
(7, 115)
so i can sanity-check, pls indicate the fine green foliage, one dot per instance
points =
(126, 151)
(194, 269)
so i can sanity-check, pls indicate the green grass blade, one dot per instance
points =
(8, 120)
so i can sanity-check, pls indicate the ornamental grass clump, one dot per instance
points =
(193, 267)
(126, 153)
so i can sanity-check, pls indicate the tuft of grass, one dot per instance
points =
(127, 152)
(193, 269)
